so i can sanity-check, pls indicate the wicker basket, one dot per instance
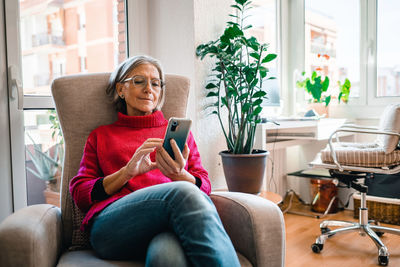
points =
(381, 209)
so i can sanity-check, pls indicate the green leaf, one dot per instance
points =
(340, 96)
(269, 58)
(313, 75)
(246, 107)
(257, 111)
(248, 27)
(259, 94)
(211, 85)
(255, 55)
(236, 6)
(257, 102)
(212, 94)
(325, 84)
(327, 100)
(243, 96)
(224, 102)
(241, 2)
(263, 72)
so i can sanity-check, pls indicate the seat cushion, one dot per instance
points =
(390, 122)
(362, 155)
(88, 258)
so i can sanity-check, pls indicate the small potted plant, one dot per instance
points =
(317, 86)
(236, 93)
(344, 91)
(48, 164)
(47, 168)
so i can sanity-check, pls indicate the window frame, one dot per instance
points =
(367, 105)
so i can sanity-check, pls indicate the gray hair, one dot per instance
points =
(121, 73)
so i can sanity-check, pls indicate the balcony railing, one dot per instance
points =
(43, 79)
(47, 38)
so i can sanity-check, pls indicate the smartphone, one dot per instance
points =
(178, 129)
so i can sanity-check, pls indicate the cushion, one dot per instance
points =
(390, 122)
(361, 155)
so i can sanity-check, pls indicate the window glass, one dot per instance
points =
(388, 53)
(69, 37)
(60, 38)
(332, 42)
(263, 19)
(44, 151)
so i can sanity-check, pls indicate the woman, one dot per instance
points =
(139, 202)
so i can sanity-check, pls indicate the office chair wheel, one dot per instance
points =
(383, 260)
(316, 248)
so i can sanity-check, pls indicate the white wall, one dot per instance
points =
(5, 159)
(170, 31)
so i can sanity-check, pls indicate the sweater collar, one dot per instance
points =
(147, 121)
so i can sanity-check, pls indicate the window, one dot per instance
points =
(388, 53)
(263, 18)
(59, 38)
(54, 35)
(332, 41)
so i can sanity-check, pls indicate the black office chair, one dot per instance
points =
(349, 162)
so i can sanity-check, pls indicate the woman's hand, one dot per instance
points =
(140, 162)
(174, 169)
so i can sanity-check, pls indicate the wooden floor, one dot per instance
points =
(349, 249)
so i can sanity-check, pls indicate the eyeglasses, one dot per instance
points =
(141, 82)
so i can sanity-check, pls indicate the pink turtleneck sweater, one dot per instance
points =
(110, 147)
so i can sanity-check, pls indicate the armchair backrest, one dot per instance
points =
(82, 105)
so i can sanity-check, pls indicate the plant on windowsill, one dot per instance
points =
(236, 94)
(48, 164)
(344, 91)
(316, 86)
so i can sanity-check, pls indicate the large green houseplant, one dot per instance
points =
(235, 88)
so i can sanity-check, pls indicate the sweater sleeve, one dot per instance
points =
(194, 166)
(82, 184)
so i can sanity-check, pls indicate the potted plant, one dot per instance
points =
(47, 168)
(344, 90)
(236, 94)
(317, 86)
(48, 164)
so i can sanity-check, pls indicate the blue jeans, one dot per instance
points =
(166, 224)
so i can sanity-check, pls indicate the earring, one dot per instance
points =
(122, 96)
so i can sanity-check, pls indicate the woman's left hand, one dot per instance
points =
(174, 169)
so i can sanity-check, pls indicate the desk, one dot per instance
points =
(277, 138)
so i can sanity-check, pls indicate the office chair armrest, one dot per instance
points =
(255, 226)
(353, 130)
(31, 237)
(355, 126)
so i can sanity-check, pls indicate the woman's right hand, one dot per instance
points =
(140, 162)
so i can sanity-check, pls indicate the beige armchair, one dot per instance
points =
(44, 235)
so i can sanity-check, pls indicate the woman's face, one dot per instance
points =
(142, 93)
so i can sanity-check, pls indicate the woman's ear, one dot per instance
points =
(119, 87)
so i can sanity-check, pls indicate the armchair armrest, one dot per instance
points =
(255, 226)
(31, 237)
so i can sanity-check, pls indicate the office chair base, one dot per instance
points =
(373, 231)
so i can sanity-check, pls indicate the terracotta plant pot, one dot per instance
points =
(244, 172)
(320, 108)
